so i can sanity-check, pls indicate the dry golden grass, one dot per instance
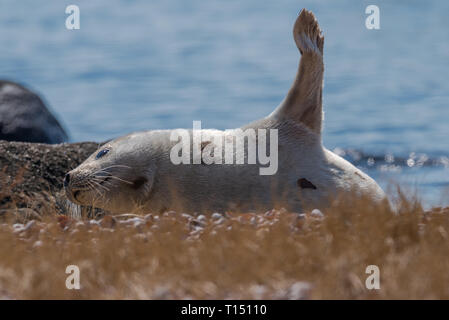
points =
(272, 255)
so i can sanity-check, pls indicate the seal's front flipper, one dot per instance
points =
(303, 102)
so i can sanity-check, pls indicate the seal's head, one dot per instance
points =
(114, 178)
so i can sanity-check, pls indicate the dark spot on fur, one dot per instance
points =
(306, 184)
(139, 182)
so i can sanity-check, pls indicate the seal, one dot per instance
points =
(136, 173)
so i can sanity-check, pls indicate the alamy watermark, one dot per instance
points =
(373, 20)
(373, 280)
(226, 147)
(73, 280)
(73, 20)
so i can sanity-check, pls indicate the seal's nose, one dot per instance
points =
(66, 180)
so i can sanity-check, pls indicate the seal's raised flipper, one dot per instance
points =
(303, 101)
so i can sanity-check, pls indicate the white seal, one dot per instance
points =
(137, 172)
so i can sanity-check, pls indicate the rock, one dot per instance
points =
(216, 216)
(317, 213)
(186, 216)
(35, 170)
(257, 291)
(21, 228)
(134, 222)
(195, 223)
(40, 167)
(24, 116)
(299, 291)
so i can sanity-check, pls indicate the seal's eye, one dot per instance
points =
(101, 153)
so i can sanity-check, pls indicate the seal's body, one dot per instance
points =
(136, 173)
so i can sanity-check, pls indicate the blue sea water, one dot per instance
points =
(139, 65)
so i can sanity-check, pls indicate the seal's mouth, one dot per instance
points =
(76, 193)
(73, 193)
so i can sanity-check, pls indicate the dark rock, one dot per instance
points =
(24, 116)
(36, 171)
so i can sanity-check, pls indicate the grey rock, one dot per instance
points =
(24, 116)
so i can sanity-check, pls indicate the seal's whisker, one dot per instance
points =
(106, 171)
(110, 175)
(99, 181)
(120, 179)
(80, 186)
(99, 185)
(109, 183)
(96, 198)
(93, 187)
(115, 166)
